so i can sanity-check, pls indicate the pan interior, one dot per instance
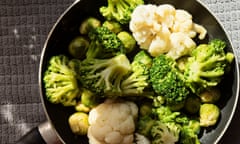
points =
(66, 29)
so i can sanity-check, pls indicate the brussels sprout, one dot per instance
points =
(145, 109)
(128, 41)
(89, 24)
(209, 114)
(78, 123)
(192, 104)
(210, 95)
(113, 26)
(78, 47)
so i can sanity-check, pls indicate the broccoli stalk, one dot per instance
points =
(137, 80)
(61, 80)
(103, 76)
(120, 10)
(168, 81)
(207, 65)
(103, 43)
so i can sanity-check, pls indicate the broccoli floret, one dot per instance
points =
(138, 79)
(119, 10)
(189, 132)
(103, 76)
(144, 125)
(128, 41)
(61, 80)
(103, 44)
(165, 114)
(89, 24)
(78, 47)
(207, 65)
(168, 81)
(113, 26)
(165, 133)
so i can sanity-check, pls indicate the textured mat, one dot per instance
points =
(24, 25)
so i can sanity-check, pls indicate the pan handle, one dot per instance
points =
(43, 134)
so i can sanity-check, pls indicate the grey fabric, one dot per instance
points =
(24, 25)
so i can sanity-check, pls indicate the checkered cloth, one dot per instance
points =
(24, 25)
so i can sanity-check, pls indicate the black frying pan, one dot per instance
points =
(57, 130)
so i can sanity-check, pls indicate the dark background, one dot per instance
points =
(24, 25)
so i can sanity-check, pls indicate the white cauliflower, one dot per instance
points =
(165, 30)
(112, 122)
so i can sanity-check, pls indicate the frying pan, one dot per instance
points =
(56, 129)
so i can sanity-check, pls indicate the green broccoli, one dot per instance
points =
(168, 81)
(165, 114)
(165, 133)
(103, 76)
(144, 125)
(119, 10)
(113, 26)
(89, 24)
(61, 80)
(138, 79)
(103, 43)
(207, 65)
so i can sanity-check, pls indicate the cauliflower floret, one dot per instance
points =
(112, 122)
(181, 45)
(157, 30)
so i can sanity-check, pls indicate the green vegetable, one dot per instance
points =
(168, 82)
(145, 109)
(189, 133)
(119, 10)
(78, 123)
(210, 95)
(61, 80)
(78, 47)
(165, 133)
(209, 114)
(89, 24)
(207, 65)
(113, 26)
(192, 104)
(138, 79)
(104, 44)
(128, 41)
(103, 76)
(144, 125)
(89, 99)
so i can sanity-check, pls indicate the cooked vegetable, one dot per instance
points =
(113, 26)
(103, 76)
(209, 114)
(104, 43)
(192, 104)
(89, 24)
(168, 82)
(119, 10)
(189, 133)
(207, 65)
(138, 78)
(113, 122)
(165, 133)
(141, 139)
(165, 30)
(78, 47)
(128, 41)
(210, 95)
(145, 124)
(78, 123)
(61, 80)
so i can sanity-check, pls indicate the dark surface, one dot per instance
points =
(24, 26)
